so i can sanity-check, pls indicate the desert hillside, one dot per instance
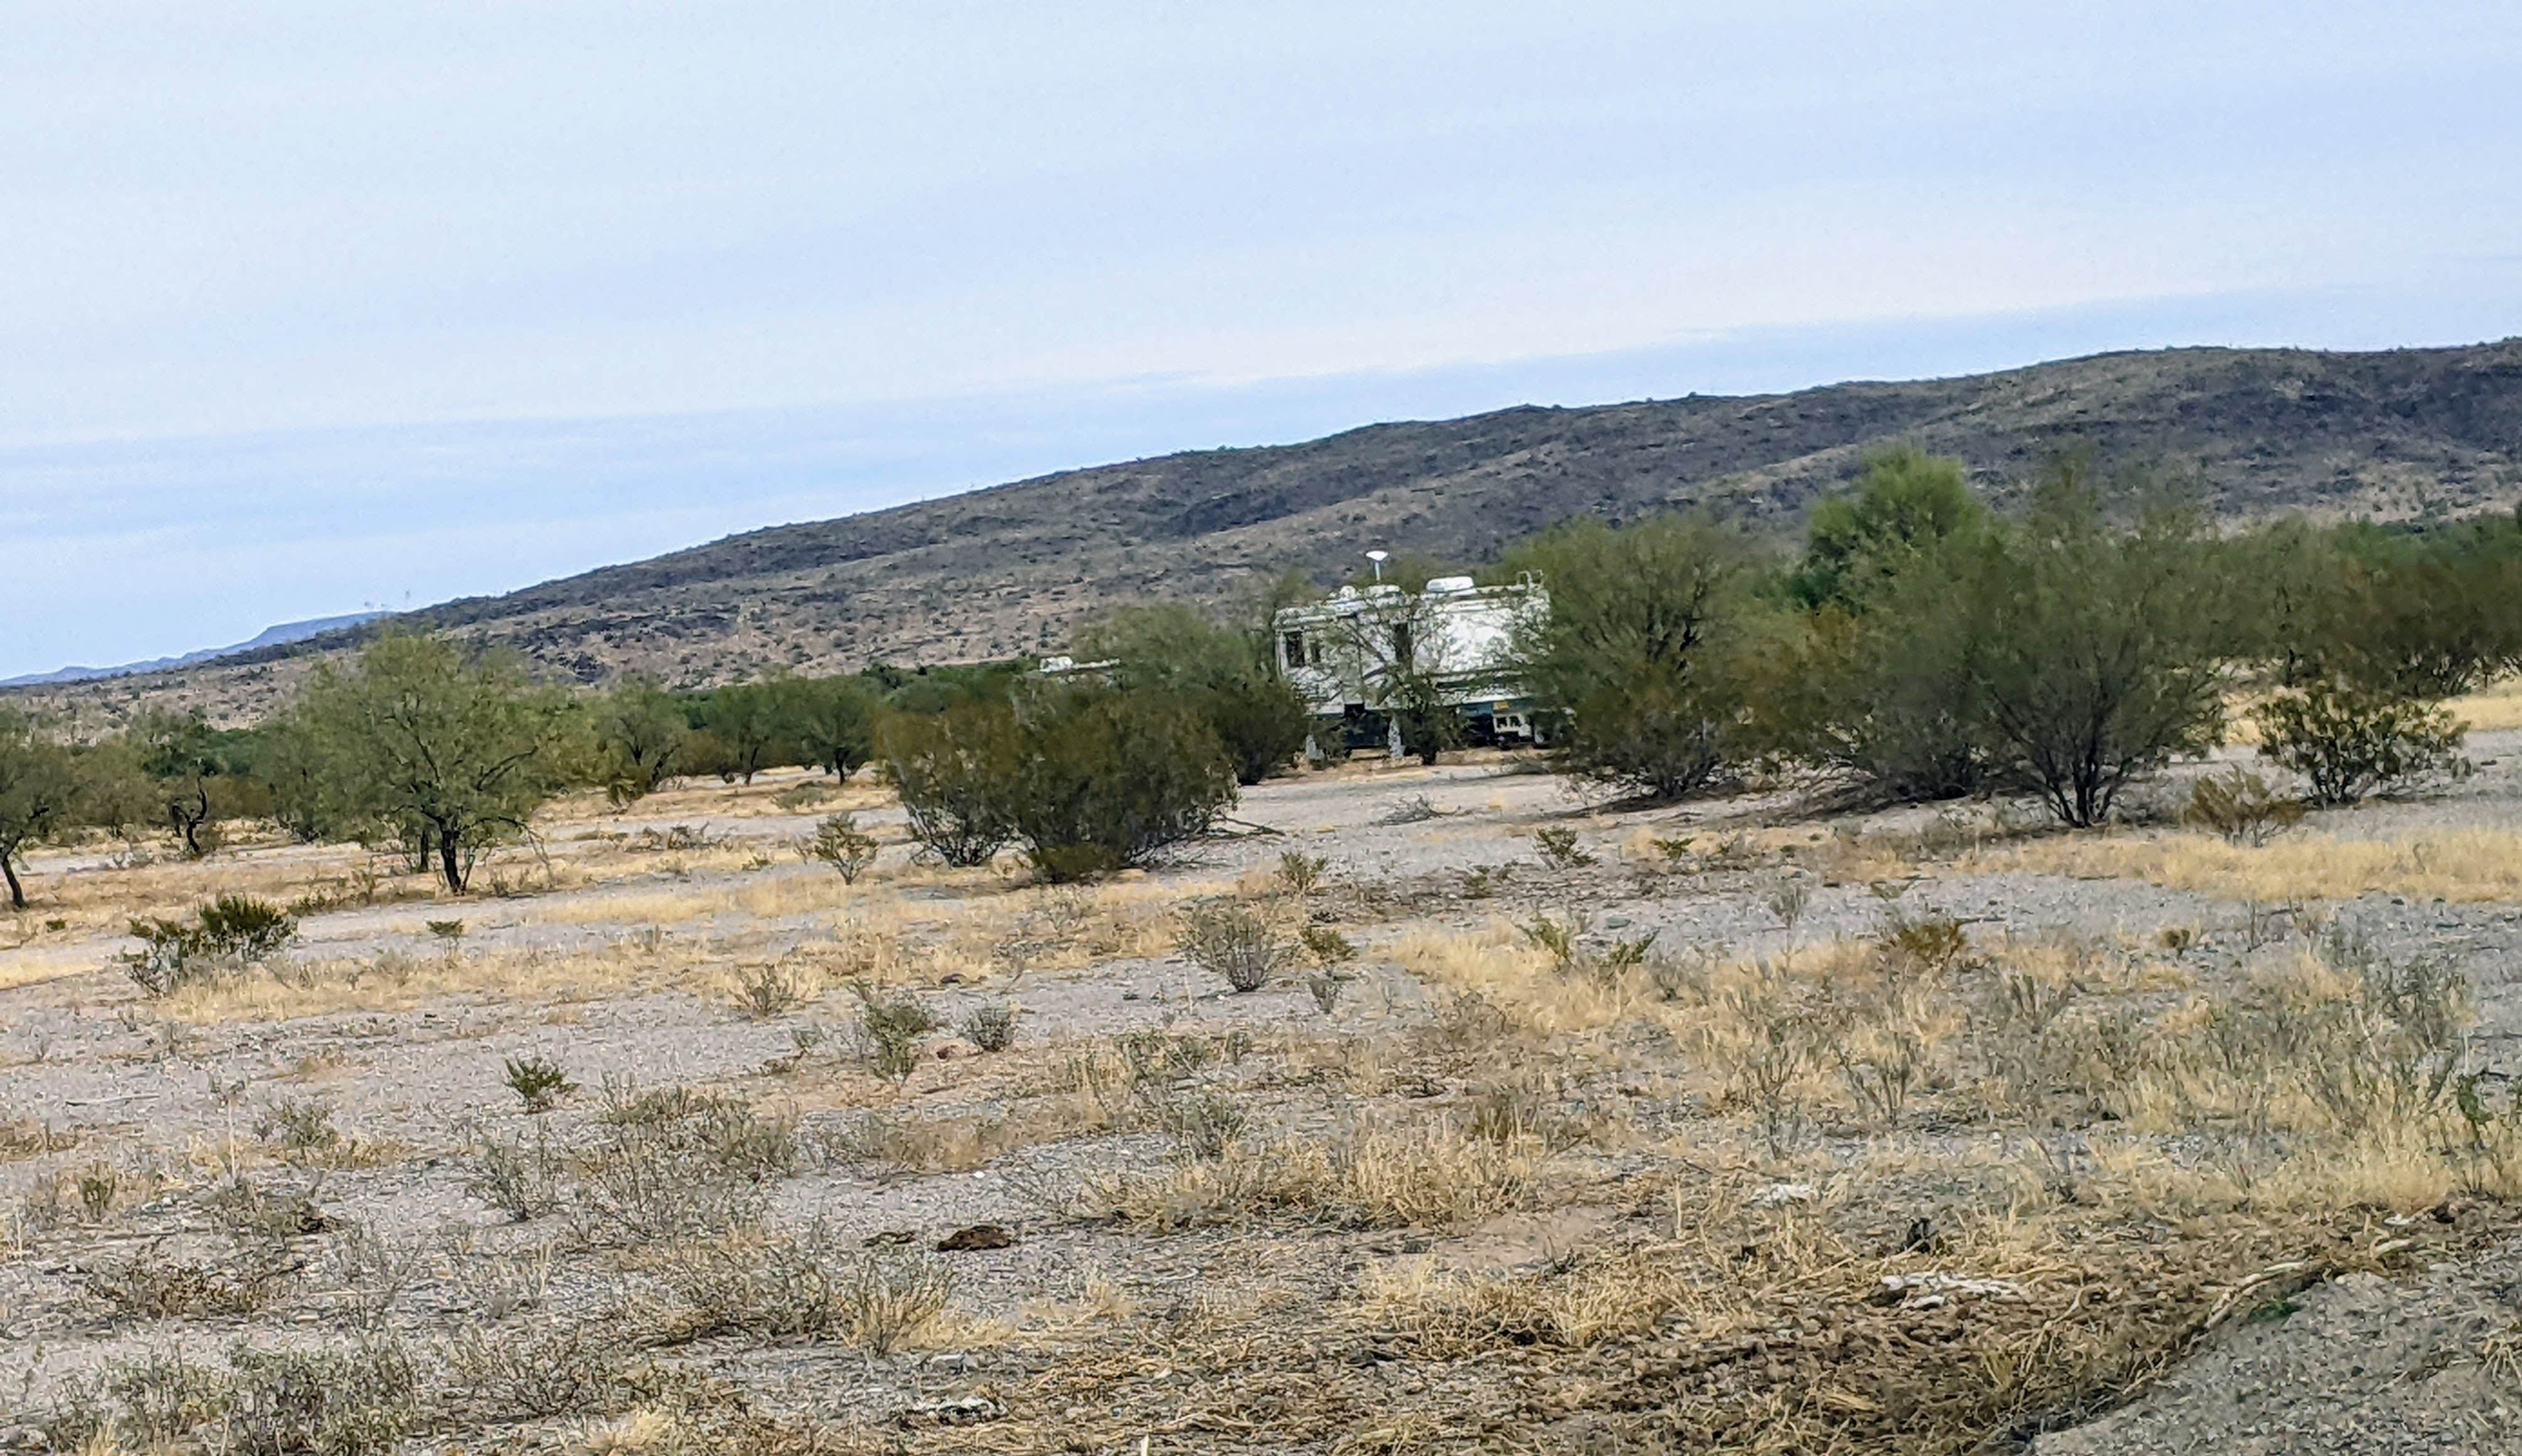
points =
(1010, 569)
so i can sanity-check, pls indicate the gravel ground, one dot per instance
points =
(2358, 1365)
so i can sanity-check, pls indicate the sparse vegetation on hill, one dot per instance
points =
(1001, 573)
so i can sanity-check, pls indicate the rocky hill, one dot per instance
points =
(1010, 569)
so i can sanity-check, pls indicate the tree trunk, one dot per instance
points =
(450, 862)
(17, 891)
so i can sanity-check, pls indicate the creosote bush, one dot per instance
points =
(808, 1286)
(891, 1031)
(991, 1026)
(2350, 742)
(229, 932)
(1234, 942)
(840, 843)
(2240, 807)
(538, 1082)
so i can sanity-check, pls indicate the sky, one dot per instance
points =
(309, 308)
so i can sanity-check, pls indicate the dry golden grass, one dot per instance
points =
(2490, 708)
(2465, 865)
(1430, 1174)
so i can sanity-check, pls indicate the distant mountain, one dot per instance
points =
(270, 636)
(1012, 569)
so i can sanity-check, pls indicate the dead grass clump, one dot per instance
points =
(24, 1137)
(2467, 864)
(519, 1178)
(902, 1146)
(804, 1288)
(1574, 1302)
(539, 1373)
(152, 1284)
(675, 1164)
(262, 1212)
(2241, 807)
(1425, 1176)
(1512, 976)
(358, 1399)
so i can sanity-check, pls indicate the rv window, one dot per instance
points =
(1401, 643)
(1295, 649)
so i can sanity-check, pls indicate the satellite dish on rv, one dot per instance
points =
(1379, 558)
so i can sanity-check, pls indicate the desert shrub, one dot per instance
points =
(1223, 675)
(1789, 899)
(230, 931)
(1641, 663)
(153, 1285)
(2091, 646)
(765, 991)
(1110, 778)
(809, 1288)
(245, 927)
(1559, 849)
(538, 1082)
(358, 1401)
(676, 1163)
(150, 1401)
(890, 1031)
(1301, 872)
(298, 1126)
(1925, 945)
(520, 1178)
(368, 1271)
(1556, 938)
(840, 843)
(2350, 742)
(2240, 807)
(1768, 1036)
(1327, 988)
(537, 1373)
(1233, 942)
(956, 772)
(991, 1026)
(1326, 945)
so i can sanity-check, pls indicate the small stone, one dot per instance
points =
(978, 1237)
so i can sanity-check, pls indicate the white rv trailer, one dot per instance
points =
(1344, 654)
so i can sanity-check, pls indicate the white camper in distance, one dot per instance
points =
(1344, 653)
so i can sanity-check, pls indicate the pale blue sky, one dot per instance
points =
(304, 307)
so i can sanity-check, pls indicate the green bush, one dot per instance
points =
(2350, 742)
(230, 931)
(1227, 677)
(1108, 779)
(2093, 646)
(956, 772)
(1088, 779)
(840, 843)
(1642, 664)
